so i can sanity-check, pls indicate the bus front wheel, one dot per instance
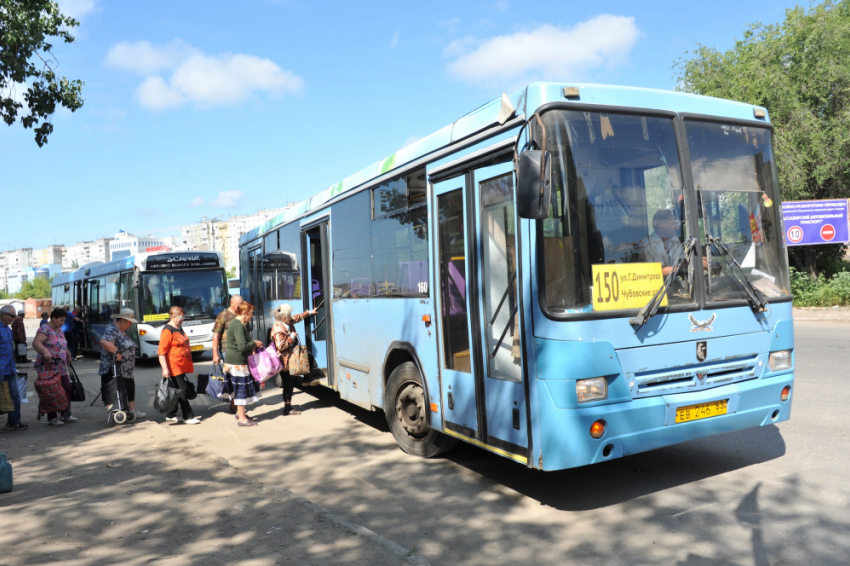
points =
(406, 408)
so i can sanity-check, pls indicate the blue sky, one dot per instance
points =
(220, 108)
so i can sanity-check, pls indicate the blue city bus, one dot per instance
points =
(150, 284)
(566, 275)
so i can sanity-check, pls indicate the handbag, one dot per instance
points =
(264, 363)
(166, 396)
(299, 360)
(6, 403)
(78, 392)
(213, 384)
(191, 392)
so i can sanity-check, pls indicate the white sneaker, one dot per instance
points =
(69, 419)
(195, 420)
(174, 419)
(56, 422)
(139, 414)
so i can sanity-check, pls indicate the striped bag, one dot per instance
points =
(51, 394)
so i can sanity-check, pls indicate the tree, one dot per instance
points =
(27, 63)
(231, 273)
(39, 288)
(800, 71)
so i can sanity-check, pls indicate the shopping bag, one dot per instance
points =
(51, 394)
(299, 361)
(216, 387)
(264, 363)
(166, 396)
(6, 403)
(22, 350)
(22, 386)
(191, 392)
(78, 392)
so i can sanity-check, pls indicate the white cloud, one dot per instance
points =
(76, 8)
(145, 58)
(548, 52)
(196, 202)
(228, 199)
(205, 80)
(394, 42)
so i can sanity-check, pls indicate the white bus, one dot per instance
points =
(150, 284)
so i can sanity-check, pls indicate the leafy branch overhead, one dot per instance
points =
(27, 65)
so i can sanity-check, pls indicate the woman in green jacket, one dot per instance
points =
(239, 347)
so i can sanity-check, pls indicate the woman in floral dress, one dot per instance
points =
(53, 355)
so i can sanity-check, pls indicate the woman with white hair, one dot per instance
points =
(285, 338)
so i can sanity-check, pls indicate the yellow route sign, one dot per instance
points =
(625, 285)
(149, 317)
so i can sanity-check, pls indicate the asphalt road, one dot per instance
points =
(767, 496)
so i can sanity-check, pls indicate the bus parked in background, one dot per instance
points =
(150, 284)
(566, 275)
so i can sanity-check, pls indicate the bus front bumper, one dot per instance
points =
(649, 423)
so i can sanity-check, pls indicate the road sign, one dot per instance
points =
(810, 222)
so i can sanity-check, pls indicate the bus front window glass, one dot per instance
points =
(201, 294)
(739, 205)
(617, 199)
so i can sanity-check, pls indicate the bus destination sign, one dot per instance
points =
(182, 261)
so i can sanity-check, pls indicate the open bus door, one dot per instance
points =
(317, 294)
(482, 369)
(255, 289)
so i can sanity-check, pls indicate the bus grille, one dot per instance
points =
(696, 377)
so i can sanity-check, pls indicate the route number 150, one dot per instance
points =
(607, 287)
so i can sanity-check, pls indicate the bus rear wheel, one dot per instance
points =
(406, 408)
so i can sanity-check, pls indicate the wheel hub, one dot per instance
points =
(410, 409)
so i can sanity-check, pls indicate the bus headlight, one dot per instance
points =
(594, 389)
(780, 360)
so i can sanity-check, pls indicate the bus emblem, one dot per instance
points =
(702, 325)
(702, 351)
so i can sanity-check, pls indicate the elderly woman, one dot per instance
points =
(52, 349)
(239, 347)
(285, 338)
(175, 357)
(115, 344)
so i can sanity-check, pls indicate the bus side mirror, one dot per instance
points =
(534, 184)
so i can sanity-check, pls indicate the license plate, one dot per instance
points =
(701, 411)
(198, 347)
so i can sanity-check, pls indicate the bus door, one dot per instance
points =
(255, 287)
(497, 308)
(82, 326)
(460, 394)
(317, 294)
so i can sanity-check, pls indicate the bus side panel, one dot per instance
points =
(364, 329)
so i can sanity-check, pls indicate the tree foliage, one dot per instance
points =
(800, 71)
(39, 288)
(27, 64)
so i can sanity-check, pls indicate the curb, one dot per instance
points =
(286, 493)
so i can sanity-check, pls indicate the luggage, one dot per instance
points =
(51, 394)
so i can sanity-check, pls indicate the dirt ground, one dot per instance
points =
(85, 494)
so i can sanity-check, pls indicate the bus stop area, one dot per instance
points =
(332, 487)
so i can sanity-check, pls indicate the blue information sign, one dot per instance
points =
(809, 222)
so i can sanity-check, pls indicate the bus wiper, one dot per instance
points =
(649, 310)
(755, 298)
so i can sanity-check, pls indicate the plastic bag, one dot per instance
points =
(166, 396)
(22, 386)
(264, 363)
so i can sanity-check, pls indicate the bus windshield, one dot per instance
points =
(202, 294)
(617, 198)
(738, 196)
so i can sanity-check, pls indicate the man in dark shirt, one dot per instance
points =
(19, 334)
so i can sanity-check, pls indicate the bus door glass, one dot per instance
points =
(255, 286)
(498, 307)
(316, 288)
(459, 390)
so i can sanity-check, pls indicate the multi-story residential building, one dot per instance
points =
(82, 253)
(125, 244)
(222, 235)
(46, 256)
(12, 263)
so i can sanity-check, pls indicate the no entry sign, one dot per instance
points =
(809, 222)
